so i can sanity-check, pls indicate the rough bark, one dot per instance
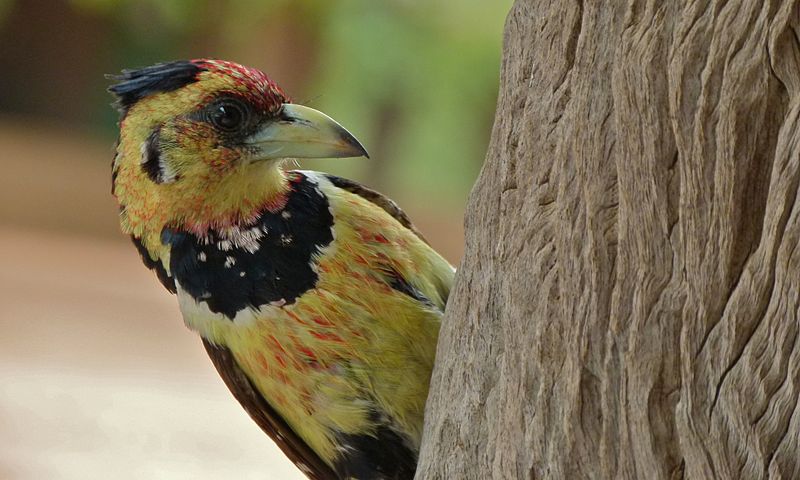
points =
(628, 302)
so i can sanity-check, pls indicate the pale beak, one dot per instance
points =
(302, 132)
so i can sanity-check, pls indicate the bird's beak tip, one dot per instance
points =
(357, 149)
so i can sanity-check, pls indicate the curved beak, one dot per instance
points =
(302, 132)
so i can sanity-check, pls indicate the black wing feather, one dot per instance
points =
(390, 207)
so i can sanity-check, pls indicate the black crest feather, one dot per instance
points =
(163, 77)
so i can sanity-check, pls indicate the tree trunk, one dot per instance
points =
(628, 302)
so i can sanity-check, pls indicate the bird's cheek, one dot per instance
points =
(222, 160)
(208, 154)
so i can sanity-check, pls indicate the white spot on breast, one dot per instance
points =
(286, 239)
(286, 214)
(201, 256)
(238, 237)
(229, 262)
(242, 273)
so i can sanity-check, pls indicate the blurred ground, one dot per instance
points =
(98, 376)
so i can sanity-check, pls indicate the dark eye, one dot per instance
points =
(229, 115)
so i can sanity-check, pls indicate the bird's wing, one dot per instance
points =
(378, 199)
(441, 280)
(265, 416)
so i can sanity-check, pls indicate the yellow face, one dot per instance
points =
(201, 144)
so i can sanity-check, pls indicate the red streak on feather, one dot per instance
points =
(332, 337)
(323, 321)
(356, 333)
(295, 317)
(262, 362)
(279, 358)
(307, 352)
(277, 343)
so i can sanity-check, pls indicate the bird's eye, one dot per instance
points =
(229, 115)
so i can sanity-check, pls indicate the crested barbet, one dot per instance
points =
(317, 300)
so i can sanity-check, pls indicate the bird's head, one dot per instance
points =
(201, 143)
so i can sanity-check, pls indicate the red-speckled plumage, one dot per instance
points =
(254, 85)
(317, 300)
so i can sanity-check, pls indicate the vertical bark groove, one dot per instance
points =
(628, 302)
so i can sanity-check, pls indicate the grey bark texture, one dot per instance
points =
(628, 302)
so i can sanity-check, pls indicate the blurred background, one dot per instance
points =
(98, 376)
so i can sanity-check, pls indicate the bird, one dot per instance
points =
(316, 298)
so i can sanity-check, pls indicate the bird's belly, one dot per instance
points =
(328, 361)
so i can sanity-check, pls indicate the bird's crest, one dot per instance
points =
(163, 77)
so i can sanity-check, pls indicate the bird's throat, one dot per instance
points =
(237, 199)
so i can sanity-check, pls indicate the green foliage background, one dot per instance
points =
(415, 80)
